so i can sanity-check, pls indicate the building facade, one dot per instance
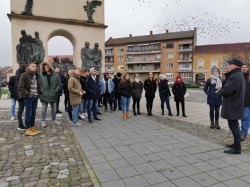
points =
(207, 57)
(167, 53)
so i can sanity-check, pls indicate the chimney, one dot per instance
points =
(110, 38)
(151, 33)
(166, 31)
(130, 35)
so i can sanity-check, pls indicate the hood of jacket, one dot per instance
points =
(50, 68)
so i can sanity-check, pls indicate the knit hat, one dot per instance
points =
(178, 76)
(236, 62)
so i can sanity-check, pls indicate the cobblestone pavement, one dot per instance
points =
(52, 158)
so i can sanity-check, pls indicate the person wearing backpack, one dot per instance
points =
(213, 84)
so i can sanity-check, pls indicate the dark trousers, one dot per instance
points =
(165, 99)
(108, 97)
(182, 106)
(117, 101)
(100, 100)
(20, 112)
(214, 112)
(235, 128)
(30, 114)
(149, 104)
(57, 103)
(66, 100)
(136, 102)
(91, 108)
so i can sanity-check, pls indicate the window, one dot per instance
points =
(186, 75)
(120, 67)
(170, 66)
(143, 48)
(120, 58)
(185, 66)
(156, 47)
(158, 57)
(200, 64)
(120, 50)
(129, 59)
(186, 56)
(214, 63)
(170, 55)
(170, 45)
(109, 51)
(169, 75)
(130, 48)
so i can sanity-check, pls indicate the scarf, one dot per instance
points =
(217, 81)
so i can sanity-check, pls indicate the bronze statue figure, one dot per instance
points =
(55, 62)
(28, 8)
(97, 60)
(39, 52)
(87, 57)
(89, 8)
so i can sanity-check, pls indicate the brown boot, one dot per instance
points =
(124, 115)
(212, 125)
(29, 132)
(127, 114)
(35, 131)
(217, 126)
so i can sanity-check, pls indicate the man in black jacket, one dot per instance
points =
(245, 122)
(233, 94)
(117, 96)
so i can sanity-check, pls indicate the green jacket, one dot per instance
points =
(49, 93)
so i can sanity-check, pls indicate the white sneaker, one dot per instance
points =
(78, 124)
(71, 123)
(22, 117)
(54, 122)
(82, 116)
(12, 118)
(43, 123)
(59, 115)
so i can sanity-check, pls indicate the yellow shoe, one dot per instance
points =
(127, 115)
(35, 131)
(124, 116)
(29, 132)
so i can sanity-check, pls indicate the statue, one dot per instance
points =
(29, 49)
(56, 62)
(39, 52)
(28, 8)
(97, 60)
(89, 8)
(87, 57)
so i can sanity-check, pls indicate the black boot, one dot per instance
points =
(162, 112)
(234, 150)
(217, 126)
(177, 109)
(138, 112)
(134, 113)
(230, 145)
(212, 125)
(183, 109)
(170, 114)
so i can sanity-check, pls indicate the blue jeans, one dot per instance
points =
(125, 104)
(30, 113)
(165, 99)
(75, 113)
(44, 110)
(13, 107)
(91, 107)
(245, 121)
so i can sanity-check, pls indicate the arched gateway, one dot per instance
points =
(79, 21)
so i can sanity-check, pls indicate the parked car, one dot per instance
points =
(201, 82)
(170, 83)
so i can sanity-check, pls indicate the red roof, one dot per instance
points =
(223, 48)
(151, 38)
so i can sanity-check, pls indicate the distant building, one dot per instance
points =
(168, 53)
(208, 56)
(60, 57)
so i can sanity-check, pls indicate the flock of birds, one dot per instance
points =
(208, 25)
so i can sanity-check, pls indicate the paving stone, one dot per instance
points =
(136, 181)
(204, 179)
(105, 176)
(4, 184)
(125, 172)
(144, 168)
(119, 163)
(236, 182)
(114, 183)
(8, 179)
(154, 178)
(220, 175)
(101, 166)
(185, 182)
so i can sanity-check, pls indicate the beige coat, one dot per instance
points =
(75, 88)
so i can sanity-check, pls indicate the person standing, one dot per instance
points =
(117, 96)
(233, 93)
(107, 90)
(213, 84)
(59, 92)
(13, 94)
(83, 78)
(75, 95)
(29, 90)
(179, 91)
(126, 93)
(245, 121)
(50, 85)
(92, 93)
(136, 94)
(150, 89)
(164, 94)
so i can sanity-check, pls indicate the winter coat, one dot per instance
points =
(116, 86)
(92, 88)
(137, 90)
(210, 90)
(25, 83)
(164, 88)
(14, 93)
(247, 93)
(179, 91)
(111, 86)
(233, 94)
(75, 88)
(126, 89)
(150, 88)
(49, 93)
(83, 82)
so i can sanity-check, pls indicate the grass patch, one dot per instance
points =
(4, 91)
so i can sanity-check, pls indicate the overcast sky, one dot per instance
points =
(217, 21)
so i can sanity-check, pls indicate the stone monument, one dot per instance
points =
(87, 57)
(97, 58)
(89, 8)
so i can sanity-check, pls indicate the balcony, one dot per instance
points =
(185, 49)
(185, 60)
(150, 61)
(145, 51)
(143, 70)
(185, 69)
(109, 54)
